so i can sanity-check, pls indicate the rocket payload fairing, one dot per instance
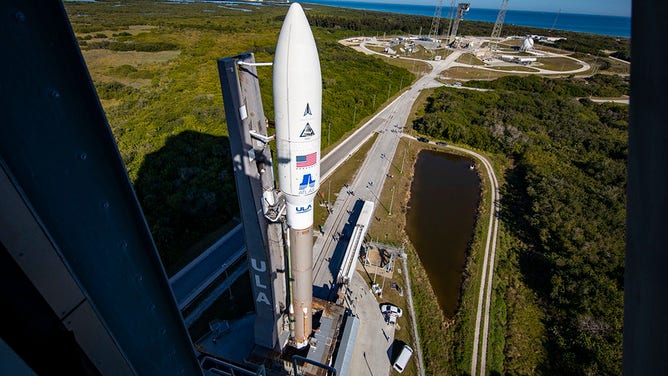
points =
(298, 110)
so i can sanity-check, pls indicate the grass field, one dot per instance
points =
(465, 73)
(154, 67)
(445, 342)
(514, 68)
(416, 67)
(558, 63)
(469, 59)
(329, 188)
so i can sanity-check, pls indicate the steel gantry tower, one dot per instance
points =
(496, 32)
(436, 21)
(451, 17)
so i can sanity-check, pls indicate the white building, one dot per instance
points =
(527, 44)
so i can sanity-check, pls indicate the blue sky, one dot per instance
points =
(602, 7)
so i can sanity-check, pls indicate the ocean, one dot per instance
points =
(583, 23)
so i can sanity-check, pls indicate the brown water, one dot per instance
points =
(445, 194)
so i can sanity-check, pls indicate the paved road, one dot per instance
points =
(201, 272)
(373, 346)
(370, 177)
(367, 185)
(485, 293)
(584, 66)
(196, 276)
(411, 307)
(611, 100)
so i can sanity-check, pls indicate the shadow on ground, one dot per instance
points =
(186, 190)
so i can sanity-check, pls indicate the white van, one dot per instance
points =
(403, 358)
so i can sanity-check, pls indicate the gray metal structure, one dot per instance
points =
(436, 21)
(462, 8)
(260, 204)
(347, 346)
(81, 283)
(645, 278)
(451, 18)
(500, 17)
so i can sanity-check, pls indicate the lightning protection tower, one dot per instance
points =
(436, 21)
(496, 32)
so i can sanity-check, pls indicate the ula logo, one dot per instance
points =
(304, 209)
(259, 271)
(307, 181)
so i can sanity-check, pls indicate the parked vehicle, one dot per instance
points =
(423, 139)
(403, 358)
(390, 309)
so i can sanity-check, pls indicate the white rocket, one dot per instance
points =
(298, 110)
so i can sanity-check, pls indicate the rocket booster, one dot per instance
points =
(297, 111)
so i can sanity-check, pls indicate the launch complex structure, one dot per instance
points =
(278, 223)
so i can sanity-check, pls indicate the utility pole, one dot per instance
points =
(402, 163)
(329, 126)
(355, 113)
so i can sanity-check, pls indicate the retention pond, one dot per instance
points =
(444, 199)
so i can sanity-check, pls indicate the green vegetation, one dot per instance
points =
(468, 58)
(436, 340)
(113, 90)
(595, 45)
(560, 268)
(367, 23)
(558, 287)
(446, 343)
(344, 174)
(158, 80)
(466, 73)
(514, 68)
(558, 63)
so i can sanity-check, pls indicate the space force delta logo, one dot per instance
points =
(307, 131)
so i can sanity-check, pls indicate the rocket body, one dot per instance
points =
(297, 86)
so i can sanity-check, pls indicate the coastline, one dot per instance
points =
(605, 25)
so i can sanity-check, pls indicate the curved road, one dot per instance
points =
(482, 312)
(584, 66)
(485, 292)
(367, 186)
(479, 356)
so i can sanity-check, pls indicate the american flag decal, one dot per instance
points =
(307, 160)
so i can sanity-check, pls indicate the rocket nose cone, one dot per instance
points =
(296, 60)
(295, 15)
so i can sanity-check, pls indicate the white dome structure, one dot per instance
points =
(527, 44)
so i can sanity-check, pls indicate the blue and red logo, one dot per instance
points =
(307, 160)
